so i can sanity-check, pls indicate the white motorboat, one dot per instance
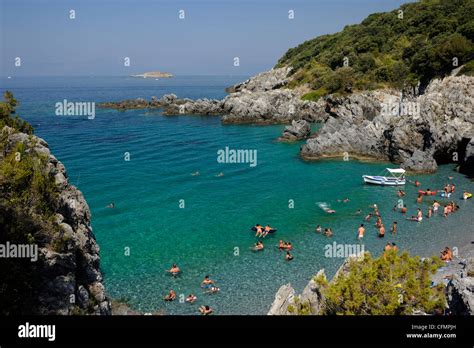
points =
(397, 177)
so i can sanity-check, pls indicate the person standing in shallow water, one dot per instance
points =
(394, 227)
(361, 232)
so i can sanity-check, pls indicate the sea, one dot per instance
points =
(142, 161)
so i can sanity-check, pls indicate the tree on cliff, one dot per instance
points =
(415, 43)
(393, 284)
(8, 115)
(27, 196)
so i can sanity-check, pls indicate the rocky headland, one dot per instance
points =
(66, 278)
(415, 130)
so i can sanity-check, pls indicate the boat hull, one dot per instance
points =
(383, 180)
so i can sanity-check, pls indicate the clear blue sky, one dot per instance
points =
(151, 34)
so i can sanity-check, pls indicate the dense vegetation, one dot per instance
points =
(393, 284)
(27, 200)
(415, 43)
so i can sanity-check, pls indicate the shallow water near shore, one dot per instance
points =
(211, 234)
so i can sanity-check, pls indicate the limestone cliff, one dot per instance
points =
(66, 278)
(417, 132)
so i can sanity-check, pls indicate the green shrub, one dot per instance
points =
(385, 51)
(392, 284)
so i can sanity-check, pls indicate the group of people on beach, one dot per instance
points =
(208, 285)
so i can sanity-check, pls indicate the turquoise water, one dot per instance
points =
(211, 234)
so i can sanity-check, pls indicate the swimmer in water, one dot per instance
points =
(174, 270)
(220, 174)
(318, 229)
(171, 296)
(288, 256)
(361, 232)
(258, 246)
(195, 174)
(205, 310)
(207, 282)
(213, 290)
(328, 232)
(394, 227)
(111, 205)
(191, 298)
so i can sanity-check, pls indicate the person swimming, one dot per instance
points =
(436, 205)
(326, 208)
(466, 195)
(379, 222)
(111, 205)
(207, 282)
(281, 245)
(258, 246)
(288, 256)
(318, 229)
(430, 212)
(328, 232)
(213, 290)
(195, 174)
(174, 270)
(394, 247)
(382, 231)
(358, 212)
(368, 217)
(171, 296)
(387, 247)
(403, 209)
(220, 174)
(205, 310)
(191, 298)
(267, 230)
(259, 230)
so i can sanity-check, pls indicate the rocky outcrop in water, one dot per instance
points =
(259, 100)
(416, 132)
(298, 130)
(67, 275)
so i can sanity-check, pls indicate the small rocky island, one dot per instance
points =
(154, 74)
